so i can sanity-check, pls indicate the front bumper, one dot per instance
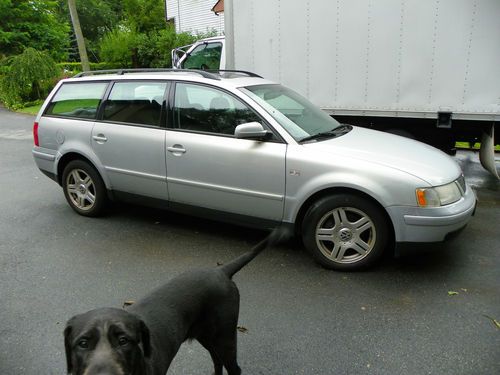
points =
(416, 224)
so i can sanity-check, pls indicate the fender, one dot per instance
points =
(342, 178)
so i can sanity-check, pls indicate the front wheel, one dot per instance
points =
(345, 232)
(83, 188)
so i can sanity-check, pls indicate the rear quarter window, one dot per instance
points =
(77, 100)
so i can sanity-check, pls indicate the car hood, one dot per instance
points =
(404, 154)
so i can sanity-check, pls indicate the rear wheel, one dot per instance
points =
(345, 232)
(83, 188)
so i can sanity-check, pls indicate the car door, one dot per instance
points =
(130, 138)
(208, 167)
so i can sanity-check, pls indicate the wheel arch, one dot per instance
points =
(340, 190)
(69, 157)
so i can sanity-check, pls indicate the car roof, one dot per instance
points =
(227, 78)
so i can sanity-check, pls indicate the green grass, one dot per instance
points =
(62, 107)
(32, 110)
(475, 146)
(66, 106)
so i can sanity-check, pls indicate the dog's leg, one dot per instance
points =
(217, 363)
(206, 343)
(226, 349)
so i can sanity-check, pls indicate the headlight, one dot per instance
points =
(439, 195)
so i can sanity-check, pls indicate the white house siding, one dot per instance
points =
(195, 16)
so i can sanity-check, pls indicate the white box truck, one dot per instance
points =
(425, 69)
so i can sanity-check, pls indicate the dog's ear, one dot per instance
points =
(145, 339)
(67, 344)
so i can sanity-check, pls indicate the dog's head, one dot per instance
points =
(106, 342)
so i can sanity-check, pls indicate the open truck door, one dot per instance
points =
(206, 54)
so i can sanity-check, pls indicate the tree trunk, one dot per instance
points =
(79, 36)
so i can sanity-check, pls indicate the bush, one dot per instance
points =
(4, 69)
(120, 47)
(72, 68)
(144, 50)
(28, 78)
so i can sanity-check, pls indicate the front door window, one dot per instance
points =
(205, 109)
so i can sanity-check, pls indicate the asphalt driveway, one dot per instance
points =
(430, 313)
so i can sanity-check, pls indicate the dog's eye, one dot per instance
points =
(83, 343)
(123, 341)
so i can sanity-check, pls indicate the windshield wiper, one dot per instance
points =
(333, 133)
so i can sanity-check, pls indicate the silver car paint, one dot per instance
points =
(431, 224)
(384, 149)
(387, 168)
(74, 136)
(139, 169)
(233, 175)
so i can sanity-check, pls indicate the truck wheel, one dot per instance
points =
(345, 232)
(83, 188)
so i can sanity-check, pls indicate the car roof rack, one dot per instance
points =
(243, 72)
(203, 73)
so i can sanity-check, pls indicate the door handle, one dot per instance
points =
(100, 138)
(176, 149)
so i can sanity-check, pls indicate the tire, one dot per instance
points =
(84, 189)
(345, 232)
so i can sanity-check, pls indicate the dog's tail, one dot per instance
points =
(277, 235)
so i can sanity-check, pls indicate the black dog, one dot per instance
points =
(143, 340)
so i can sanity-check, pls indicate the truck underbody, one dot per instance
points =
(430, 131)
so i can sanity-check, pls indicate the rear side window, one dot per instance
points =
(79, 100)
(135, 103)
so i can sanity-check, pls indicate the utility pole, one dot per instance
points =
(79, 36)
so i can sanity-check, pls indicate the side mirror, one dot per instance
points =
(174, 54)
(251, 130)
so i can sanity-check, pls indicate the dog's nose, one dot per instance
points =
(104, 369)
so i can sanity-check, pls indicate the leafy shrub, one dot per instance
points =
(29, 77)
(72, 68)
(120, 47)
(4, 69)
(144, 50)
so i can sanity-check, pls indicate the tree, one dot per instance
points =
(33, 24)
(30, 76)
(144, 15)
(79, 36)
(143, 39)
(97, 17)
(120, 46)
(134, 42)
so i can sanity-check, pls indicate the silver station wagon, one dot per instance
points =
(233, 146)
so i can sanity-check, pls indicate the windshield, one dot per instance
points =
(296, 114)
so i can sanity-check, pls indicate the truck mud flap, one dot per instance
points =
(487, 152)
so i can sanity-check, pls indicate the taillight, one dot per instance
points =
(35, 134)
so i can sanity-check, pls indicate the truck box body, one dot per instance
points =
(409, 58)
